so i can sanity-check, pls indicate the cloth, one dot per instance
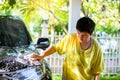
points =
(79, 66)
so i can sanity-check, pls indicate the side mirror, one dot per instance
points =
(43, 43)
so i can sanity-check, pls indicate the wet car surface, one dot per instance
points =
(15, 44)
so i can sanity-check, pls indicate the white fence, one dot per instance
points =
(111, 48)
(111, 52)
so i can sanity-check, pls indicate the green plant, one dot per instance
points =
(104, 77)
(57, 77)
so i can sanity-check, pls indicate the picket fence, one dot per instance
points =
(111, 52)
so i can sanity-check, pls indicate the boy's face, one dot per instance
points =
(83, 37)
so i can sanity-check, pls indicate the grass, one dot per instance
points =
(110, 77)
(105, 77)
(57, 77)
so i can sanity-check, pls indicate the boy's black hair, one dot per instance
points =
(85, 24)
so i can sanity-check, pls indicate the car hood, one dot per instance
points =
(12, 67)
(17, 51)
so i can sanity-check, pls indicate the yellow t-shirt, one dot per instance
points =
(79, 66)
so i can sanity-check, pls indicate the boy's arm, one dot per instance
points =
(96, 76)
(47, 52)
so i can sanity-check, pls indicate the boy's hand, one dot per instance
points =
(34, 57)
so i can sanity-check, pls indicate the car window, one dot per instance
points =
(13, 33)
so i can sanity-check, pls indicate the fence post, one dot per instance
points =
(118, 52)
(52, 35)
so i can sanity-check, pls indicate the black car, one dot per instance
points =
(15, 44)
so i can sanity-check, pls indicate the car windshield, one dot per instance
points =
(13, 33)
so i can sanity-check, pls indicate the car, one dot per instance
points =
(15, 45)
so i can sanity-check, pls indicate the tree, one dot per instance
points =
(106, 13)
(49, 7)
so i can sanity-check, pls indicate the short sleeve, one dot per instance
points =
(61, 46)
